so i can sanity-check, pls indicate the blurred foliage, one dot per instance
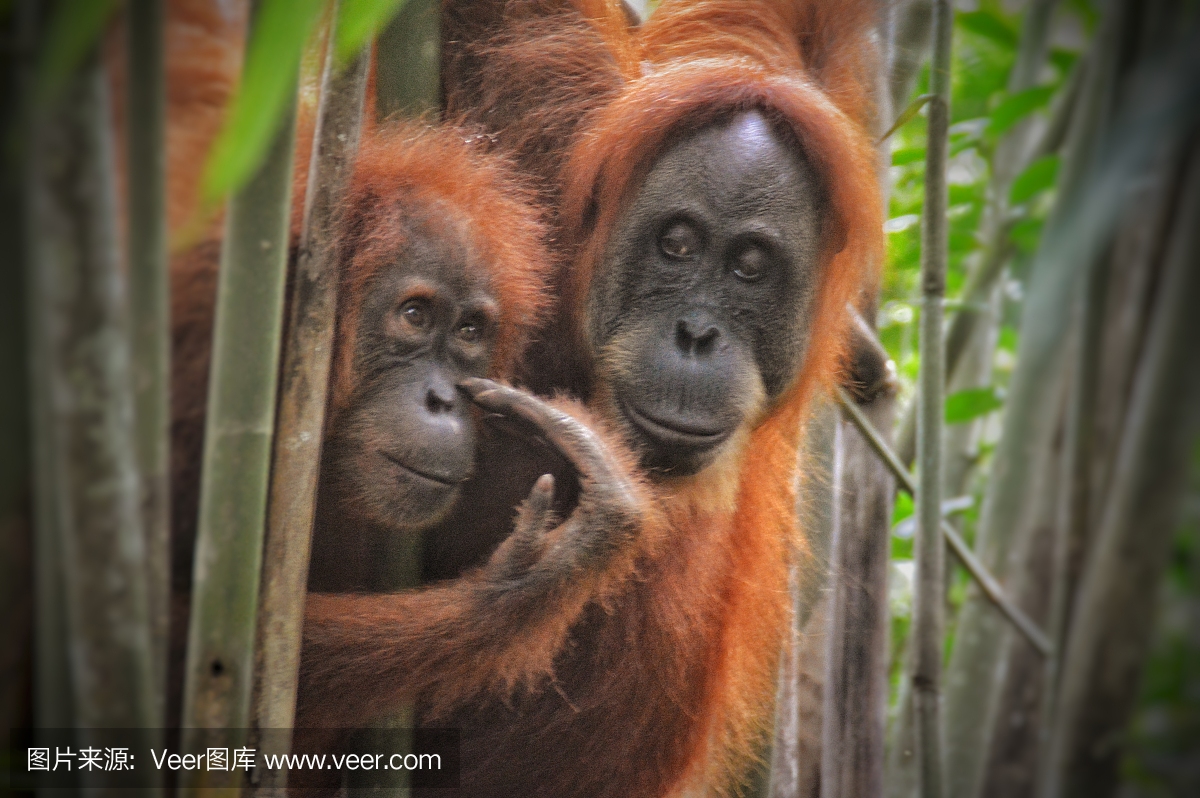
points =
(277, 43)
(972, 403)
(72, 31)
(1161, 756)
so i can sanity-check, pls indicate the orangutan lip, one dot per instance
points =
(674, 434)
(441, 480)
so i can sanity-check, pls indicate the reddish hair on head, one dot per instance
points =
(408, 171)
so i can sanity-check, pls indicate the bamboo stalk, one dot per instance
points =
(854, 713)
(150, 311)
(52, 701)
(304, 382)
(237, 452)
(928, 545)
(78, 306)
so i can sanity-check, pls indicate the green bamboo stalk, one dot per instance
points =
(237, 453)
(149, 307)
(1109, 632)
(52, 704)
(304, 381)
(928, 546)
(85, 434)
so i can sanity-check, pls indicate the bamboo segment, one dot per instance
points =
(303, 385)
(237, 453)
(149, 307)
(51, 683)
(928, 547)
(85, 440)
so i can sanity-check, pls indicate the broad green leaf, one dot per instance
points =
(277, 39)
(973, 403)
(1015, 107)
(990, 25)
(358, 23)
(908, 155)
(72, 31)
(1037, 177)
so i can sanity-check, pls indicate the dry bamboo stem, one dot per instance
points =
(303, 385)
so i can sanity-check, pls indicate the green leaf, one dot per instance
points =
(1008, 339)
(1086, 11)
(1063, 60)
(903, 508)
(71, 33)
(277, 39)
(973, 403)
(1037, 177)
(1026, 234)
(990, 25)
(906, 115)
(908, 155)
(358, 23)
(1015, 107)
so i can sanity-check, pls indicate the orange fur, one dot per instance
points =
(203, 64)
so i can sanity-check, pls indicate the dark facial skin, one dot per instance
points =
(701, 315)
(401, 451)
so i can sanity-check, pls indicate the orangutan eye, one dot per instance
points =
(679, 241)
(470, 332)
(751, 265)
(415, 313)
